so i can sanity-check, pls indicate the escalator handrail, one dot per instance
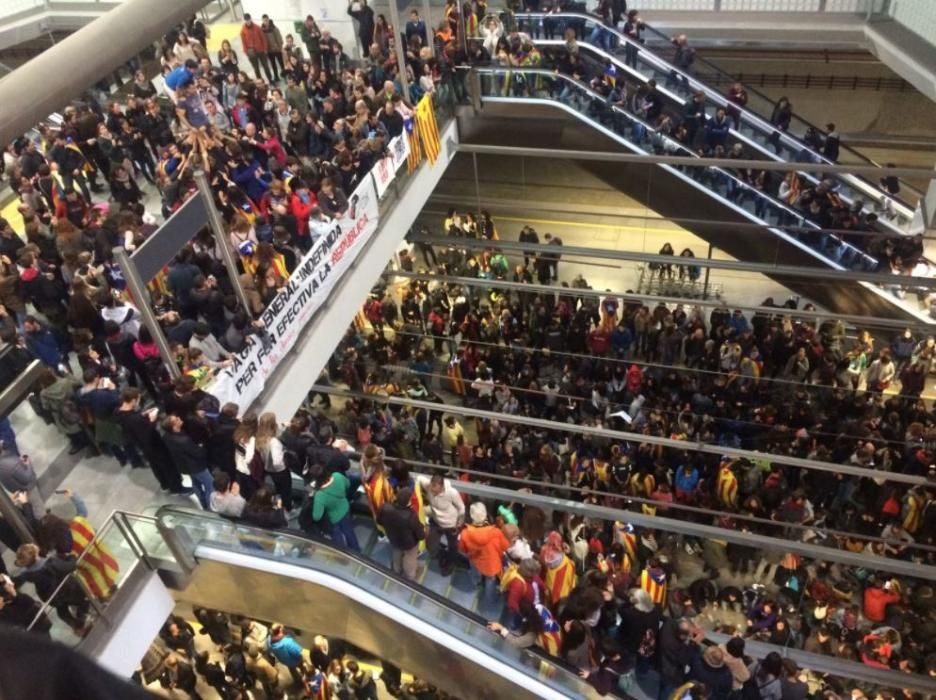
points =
(762, 96)
(752, 117)
(363, 560)
(493, 70)
(753, 145)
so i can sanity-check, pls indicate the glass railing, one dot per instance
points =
(198, 528)
(103, 564)
(752, 122)
(540, 85)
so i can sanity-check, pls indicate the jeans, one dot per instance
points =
(343, 534)
(203, 483)
(446, 552)
(489, 583)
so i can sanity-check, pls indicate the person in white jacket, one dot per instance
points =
(446, 518)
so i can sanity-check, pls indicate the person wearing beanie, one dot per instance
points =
(560, 577)
(709, 668)
(404, 531)
(484, 544)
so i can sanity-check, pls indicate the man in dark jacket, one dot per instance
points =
(189, 458)
(676, 651)
(404, 531)
(139, 428)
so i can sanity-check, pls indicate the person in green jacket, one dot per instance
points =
(331, 501)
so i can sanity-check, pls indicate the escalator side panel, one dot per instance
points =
(535, 126)
(299, 603)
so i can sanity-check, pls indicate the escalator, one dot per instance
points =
(537, 108)
(754, 129)
(310, 585)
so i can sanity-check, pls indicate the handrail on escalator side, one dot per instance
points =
(364, 560)
(716, 93)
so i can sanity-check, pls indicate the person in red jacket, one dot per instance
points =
(255, 46)
(877, 597)
(524, 582)
(301, 203)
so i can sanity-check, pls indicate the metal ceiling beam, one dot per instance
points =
(687, 445)
(827, 274)
(857, 321)
(731, 163)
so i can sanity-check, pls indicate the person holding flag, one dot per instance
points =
(653, 581)
(560, 576)
(376, 482)
(726, 488)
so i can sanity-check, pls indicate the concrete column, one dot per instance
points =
(399, 48)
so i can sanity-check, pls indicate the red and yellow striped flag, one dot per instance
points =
(427, 129)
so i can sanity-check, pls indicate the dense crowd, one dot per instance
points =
(246, 656)
(281, 155)
(818, 212)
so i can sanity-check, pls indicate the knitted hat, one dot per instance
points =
(714, 657)
(478, 512)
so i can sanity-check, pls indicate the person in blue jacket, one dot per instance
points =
(248, 174)
(42, 343)
(286, 649)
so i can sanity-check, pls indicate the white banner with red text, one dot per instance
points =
(308, 287)
(385, 169)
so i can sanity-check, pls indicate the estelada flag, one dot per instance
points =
(653, 581)
(560, 580)
(415, 152)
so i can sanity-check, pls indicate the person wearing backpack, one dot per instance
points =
(764, 683)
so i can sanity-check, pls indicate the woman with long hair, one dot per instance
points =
(265, 509)
(244, 438)
(270, 449)
(227, 59)
(376, 481)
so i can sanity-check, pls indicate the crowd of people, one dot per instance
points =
(247, 657)
(845, 230)
(282, 154)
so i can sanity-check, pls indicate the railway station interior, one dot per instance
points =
(453, 349)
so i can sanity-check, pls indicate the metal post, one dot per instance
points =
(427, 18)
(708, 270)
(141, 297)
(474, 87)
(400, 49)
(217, 228)
(474, 162)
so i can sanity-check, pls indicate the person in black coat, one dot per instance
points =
(140, 428)
(404, 531)
(220, 444)
(265, 510)
(47, 574)
(189, 457)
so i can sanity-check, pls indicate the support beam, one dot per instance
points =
(40, 87)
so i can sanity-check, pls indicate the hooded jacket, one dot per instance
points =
(484, 545)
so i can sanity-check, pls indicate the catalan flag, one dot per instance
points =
(427, 129)
(98, 569)
(653, 581)
(378, 492)
(455, 380)
(560, 580)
